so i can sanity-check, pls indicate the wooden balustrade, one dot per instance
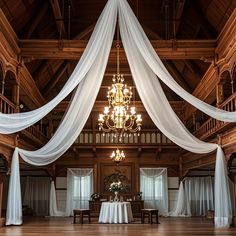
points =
(6, 106)
(88, 137)
(35, 133)
(212, 125)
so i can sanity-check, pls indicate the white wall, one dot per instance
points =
(173, 186)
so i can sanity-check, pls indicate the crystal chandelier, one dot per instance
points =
(116, 117)
(117, 156)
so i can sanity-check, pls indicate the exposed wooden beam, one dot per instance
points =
(58, 18)
(72, 49)
(178, 14)
(85, 33)
(177, 75)
(37, 18)
(52, 83)
(99, 106)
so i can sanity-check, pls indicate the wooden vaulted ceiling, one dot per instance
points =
(75, 19)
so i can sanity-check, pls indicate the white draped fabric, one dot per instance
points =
(182, 207)
(145, 65)
(53, 210)
(94, 56)
(79, 189)
(199, 194)
(153, 185)
(37, 195)
(195, 198)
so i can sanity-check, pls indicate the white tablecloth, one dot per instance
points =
(115, 212)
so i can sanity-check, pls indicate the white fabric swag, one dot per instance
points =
(79, 189)
(153, 185)
(196, 197)
(53, 209)
(144, 65)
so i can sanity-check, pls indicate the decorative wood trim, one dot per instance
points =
(73, 49)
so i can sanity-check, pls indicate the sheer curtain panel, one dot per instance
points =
(79, 189)
(153, 184)
(37, 195)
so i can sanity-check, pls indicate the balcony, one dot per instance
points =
(213, 126)
(146, 138)
(33, 133)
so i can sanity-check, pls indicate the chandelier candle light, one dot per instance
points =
(117, 156)
(116, 117)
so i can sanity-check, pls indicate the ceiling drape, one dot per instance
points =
(144, 65)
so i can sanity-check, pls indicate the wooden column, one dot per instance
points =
(2, 178)
(50, 125)
(16, 96)
(219, 94)
(234, 217)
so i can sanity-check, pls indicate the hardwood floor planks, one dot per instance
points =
(64, 227)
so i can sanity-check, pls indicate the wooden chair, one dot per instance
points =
(149, 213)
(81, 213)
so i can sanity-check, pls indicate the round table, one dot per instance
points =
(115, 212)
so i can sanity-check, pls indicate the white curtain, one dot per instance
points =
(145, 65)
(75, 118)
(79, 189)
(53, 210)
(37, 192)
(153, 184)
(196, 197)
(182, 207)
(199, 194)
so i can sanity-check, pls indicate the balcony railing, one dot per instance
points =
(33, 132)
(6, 106)
(88, 137)
(212, 125)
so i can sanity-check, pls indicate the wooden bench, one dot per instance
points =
(81, 213)
(149, 213)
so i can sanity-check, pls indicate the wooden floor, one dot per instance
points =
(64, 227)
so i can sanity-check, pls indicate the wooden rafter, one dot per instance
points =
(177, 75)
(72, 49)
(36, 20)
(52, 83)
(58, 18)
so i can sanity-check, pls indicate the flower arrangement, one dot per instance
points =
(95, 196)
(116, 187)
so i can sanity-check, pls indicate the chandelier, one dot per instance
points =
(117, 156)
(117, 117)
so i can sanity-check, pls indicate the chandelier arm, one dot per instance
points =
(112, 127)
(130, 124)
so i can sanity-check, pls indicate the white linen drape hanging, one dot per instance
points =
(37, 195)
(199, 194)
(103, 32)
(182, 207)
(153, 184)
(142, 44)
(79, 189)
(73, 121)
(158, 106)
(141, 61)
(53, 210)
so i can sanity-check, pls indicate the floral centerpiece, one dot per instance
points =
(116, 187)
(95, 196)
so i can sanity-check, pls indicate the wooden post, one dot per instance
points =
(219, 94)
(234, 217)
(16, 96)
(2, 178)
